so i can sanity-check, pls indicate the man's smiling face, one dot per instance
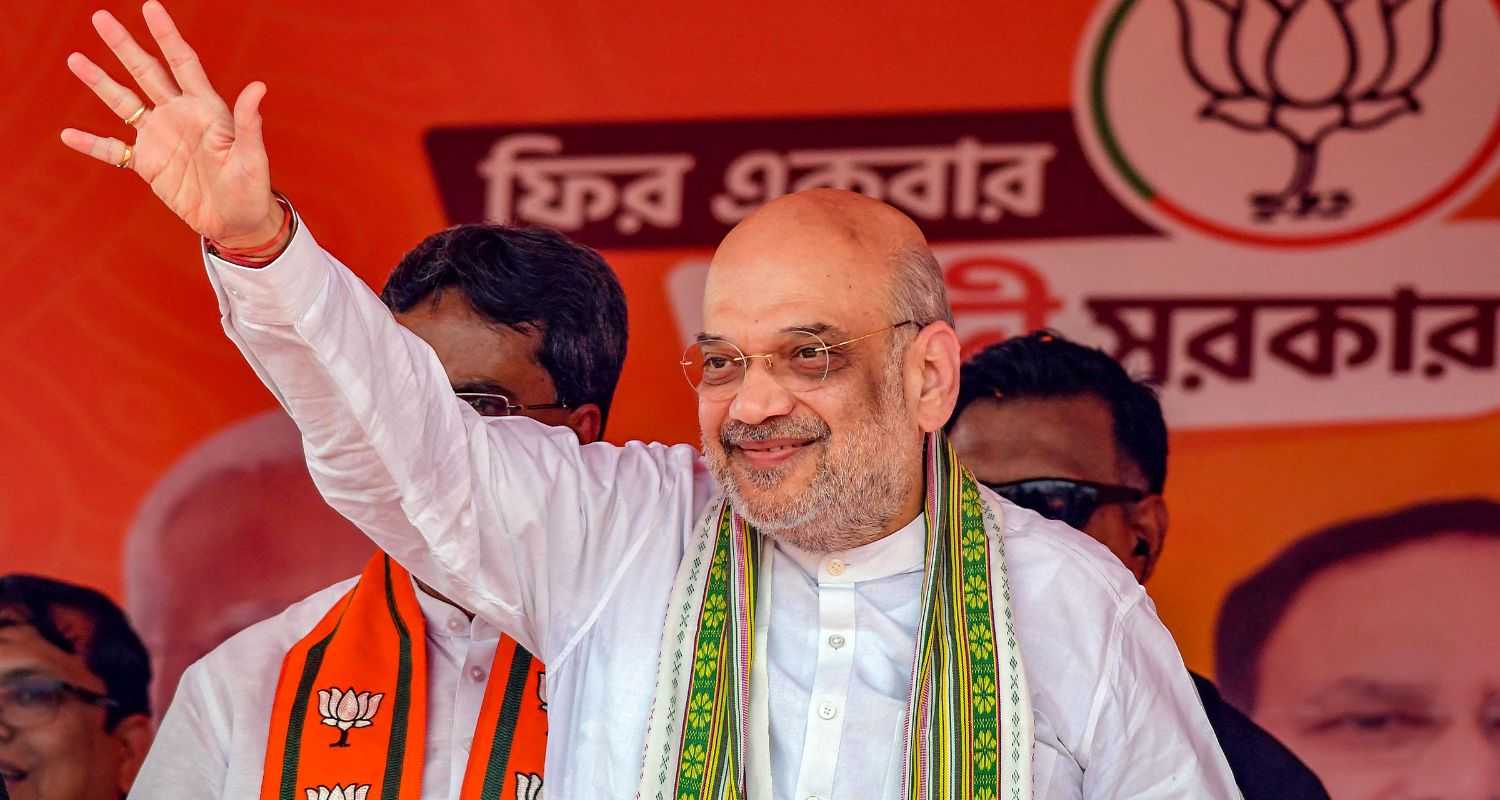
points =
(73, 755)
(824, 464)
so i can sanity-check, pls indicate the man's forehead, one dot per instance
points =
(820, 256)
(762, 300)
(773, 308)
(16, 638)
(23, 650)
(479, 354)
(73, 624)
(779, 251)
(1431, 620)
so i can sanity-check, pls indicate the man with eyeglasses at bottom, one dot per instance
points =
(1063, 430)
(75, 718)
(526, 323)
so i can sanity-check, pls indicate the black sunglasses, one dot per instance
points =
(1064, 500)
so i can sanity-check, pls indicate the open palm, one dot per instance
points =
(206, 163)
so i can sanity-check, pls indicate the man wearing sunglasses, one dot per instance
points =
(75, 718)
(1063, 430)
(525, 323)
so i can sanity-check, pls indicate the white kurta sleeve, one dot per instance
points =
(188, 757)
(507, 517)
(1150, 737)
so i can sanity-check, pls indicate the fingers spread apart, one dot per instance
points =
(181, 58)
(124, 103)
(146, 70)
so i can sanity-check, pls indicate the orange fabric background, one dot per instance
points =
(113, 363)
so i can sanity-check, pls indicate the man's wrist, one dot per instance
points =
(260, 249)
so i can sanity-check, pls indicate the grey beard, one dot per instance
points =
(856, 507)
(856, 491)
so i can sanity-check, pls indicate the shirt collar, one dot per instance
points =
(895, 554)
(445, 619)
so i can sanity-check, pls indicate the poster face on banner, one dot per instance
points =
(1285, 214)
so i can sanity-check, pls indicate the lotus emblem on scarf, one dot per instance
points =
(336, 792)
(1304, 70)
(346, 710)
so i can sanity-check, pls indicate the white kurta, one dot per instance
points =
(573, 550)
(212, 740)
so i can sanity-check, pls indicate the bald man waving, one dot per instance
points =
(835, 609)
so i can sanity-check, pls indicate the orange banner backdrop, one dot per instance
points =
(114, 366)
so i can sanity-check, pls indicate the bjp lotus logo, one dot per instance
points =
(1291, 122)
(347, 792)
(346, 711)
(1368, 58)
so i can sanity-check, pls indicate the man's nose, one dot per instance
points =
(761, 396)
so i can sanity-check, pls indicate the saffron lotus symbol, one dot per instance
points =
(347, 710)
(1305, 70)
(336, 792)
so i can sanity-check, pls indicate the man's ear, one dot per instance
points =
(932, 375)
(586, 421)
(133, 736)
(1147, 520)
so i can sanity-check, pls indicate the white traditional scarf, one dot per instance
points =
(968, 723)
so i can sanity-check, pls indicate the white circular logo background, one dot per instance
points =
(1291, 122)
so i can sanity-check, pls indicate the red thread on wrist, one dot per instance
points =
(262, 252)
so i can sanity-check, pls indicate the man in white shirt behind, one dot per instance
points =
(857, 620)
(495, 304)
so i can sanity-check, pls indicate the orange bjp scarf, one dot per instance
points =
(350, 715)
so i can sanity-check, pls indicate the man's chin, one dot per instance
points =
(769, 498)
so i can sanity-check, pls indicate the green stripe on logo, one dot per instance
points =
(1097, 105)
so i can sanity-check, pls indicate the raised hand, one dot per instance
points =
(206, 163)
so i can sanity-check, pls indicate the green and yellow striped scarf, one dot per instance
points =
(968, 724)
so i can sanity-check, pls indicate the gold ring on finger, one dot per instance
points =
(129, 154)
(136, 117)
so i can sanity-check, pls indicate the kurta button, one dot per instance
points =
(835, 567)
(828, 711)
(476, 673)
(455, 624)
(836, 641)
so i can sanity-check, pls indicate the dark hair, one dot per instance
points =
(111, 650)
(1044, 364)
(1255, 606)
(529, 279)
